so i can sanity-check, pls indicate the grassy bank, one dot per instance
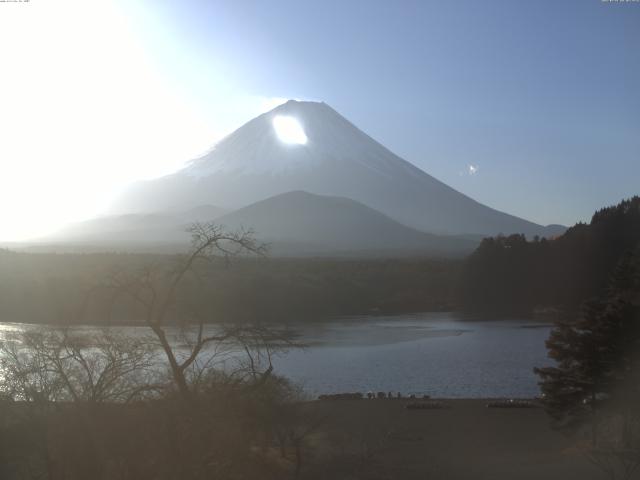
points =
(349, 439)
(466, 441)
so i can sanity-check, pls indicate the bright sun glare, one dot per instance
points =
(85, 111)
(289, 130)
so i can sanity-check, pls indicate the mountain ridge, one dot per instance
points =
(252, 164)
(293, 224)
(300, 222)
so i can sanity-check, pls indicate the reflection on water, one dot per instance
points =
(439, 354)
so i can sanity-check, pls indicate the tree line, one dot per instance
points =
(48, 288)
(592, 274)
(510, 274)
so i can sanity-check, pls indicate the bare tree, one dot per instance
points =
(166, 296)
(59, 384)
(41, 366)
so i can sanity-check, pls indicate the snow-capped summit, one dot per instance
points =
(309, 146)
(257, 147)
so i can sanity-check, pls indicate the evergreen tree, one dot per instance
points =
(513, 275)
(596, 354)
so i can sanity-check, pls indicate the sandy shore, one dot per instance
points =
(466, 441)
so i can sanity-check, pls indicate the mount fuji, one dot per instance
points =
(334, 159)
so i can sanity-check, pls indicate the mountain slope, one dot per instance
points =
(338, 159)
(163, 227)
(297, 223)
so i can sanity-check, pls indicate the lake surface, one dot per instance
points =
(437, 354)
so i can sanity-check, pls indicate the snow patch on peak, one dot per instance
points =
(329, 138)
(289, 130)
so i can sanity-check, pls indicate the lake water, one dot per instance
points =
(437, 354)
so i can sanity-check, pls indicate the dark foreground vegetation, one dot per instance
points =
(265, 432)
(72, 414)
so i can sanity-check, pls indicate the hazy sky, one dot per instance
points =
(531, 107)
